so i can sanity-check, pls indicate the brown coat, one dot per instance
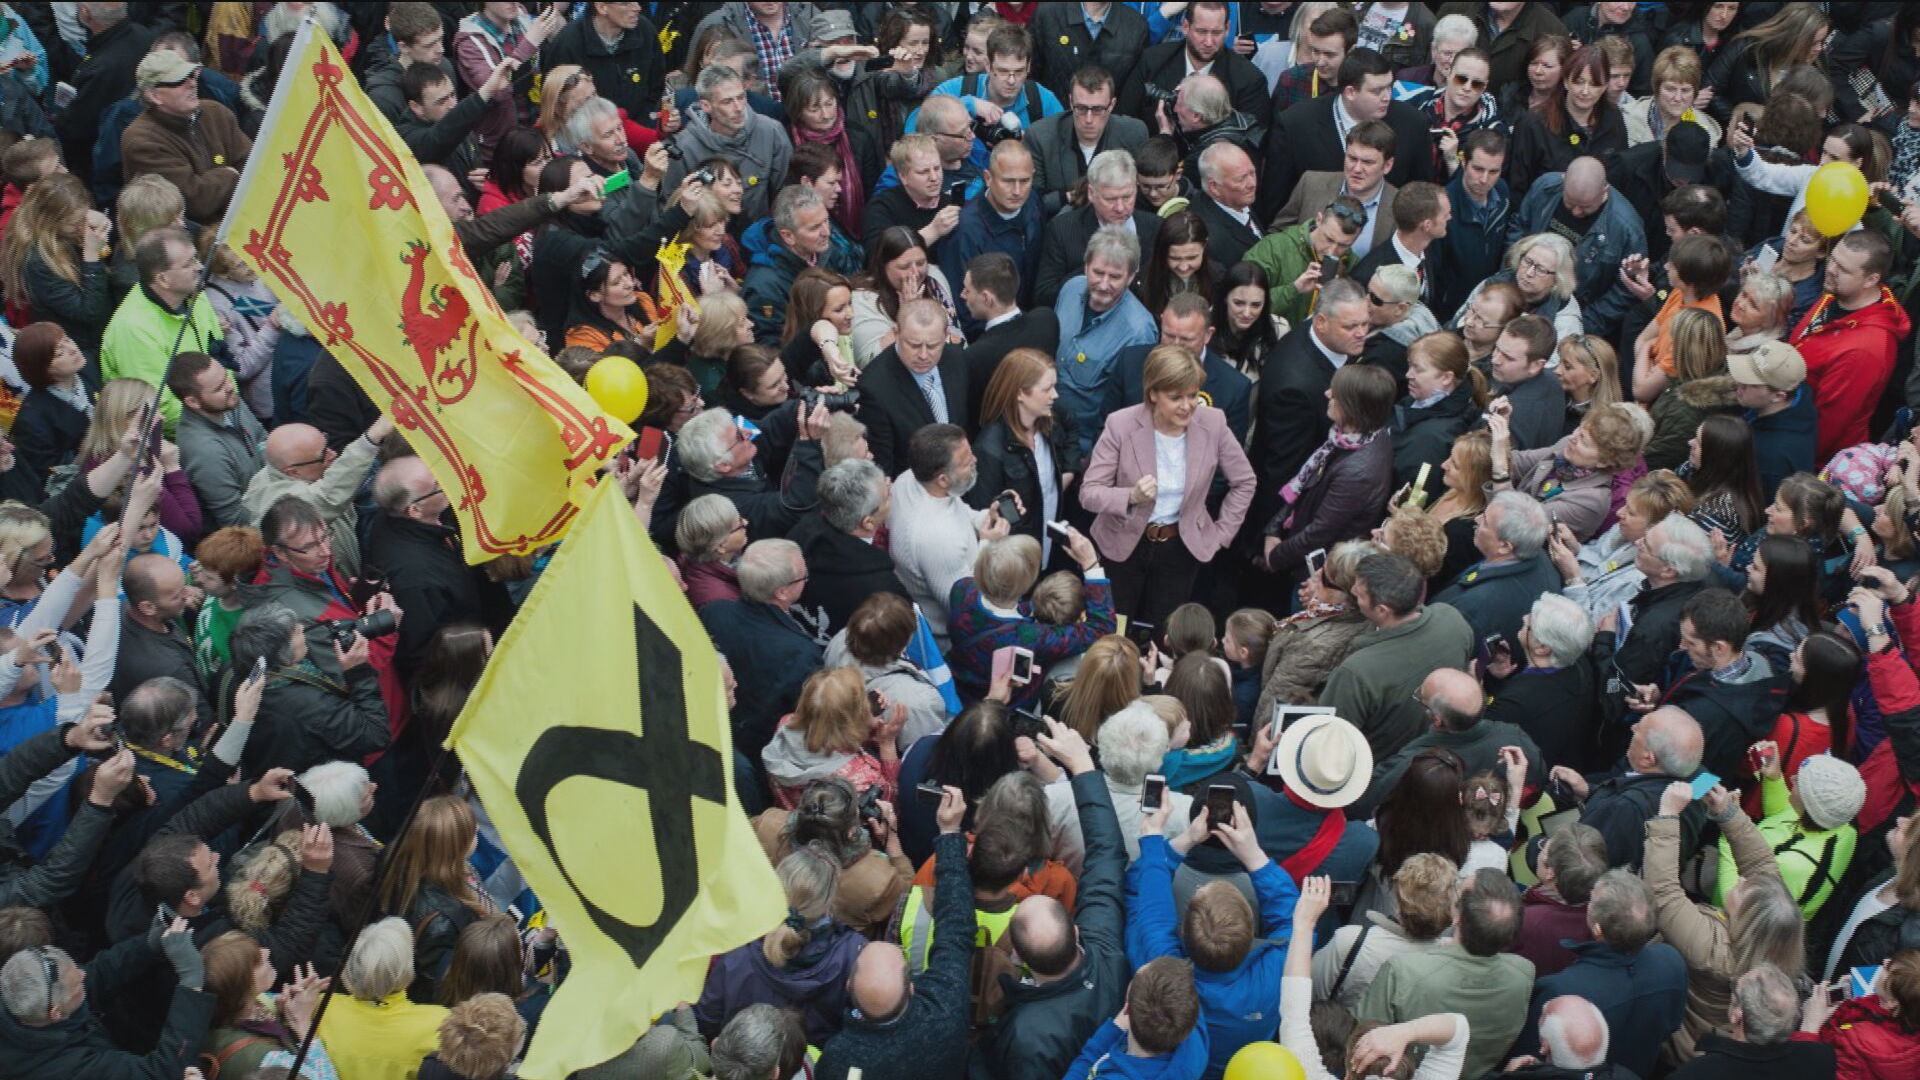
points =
(202, 155)
(1700, 931)
(1301, 656)
(868, 891)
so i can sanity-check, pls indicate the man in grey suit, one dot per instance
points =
(1369, 159)
(1065, 143)
(1113, 188)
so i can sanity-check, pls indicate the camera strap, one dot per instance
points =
(971, 88)
(317, 680)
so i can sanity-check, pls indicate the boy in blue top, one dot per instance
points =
(1237, 979)
(1157, 1035)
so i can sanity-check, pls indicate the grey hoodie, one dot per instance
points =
(760, 150)
(790, 764)
(900, 682)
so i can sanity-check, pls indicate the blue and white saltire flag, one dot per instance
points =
(925, 653)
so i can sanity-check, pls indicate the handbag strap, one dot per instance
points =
(1346, 966)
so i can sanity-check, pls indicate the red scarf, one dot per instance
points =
(853, 196)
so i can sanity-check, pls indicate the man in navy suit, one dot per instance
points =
(1187, 321)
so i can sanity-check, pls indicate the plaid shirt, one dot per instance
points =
(1297, 84)
(774, 48)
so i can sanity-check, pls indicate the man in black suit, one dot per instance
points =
(1113, 189)
(1065, 144)
(920, 380)
(1228, 187)
(1421, 213)
(1293, 388)
(1187, 320)
(1064, 45)
(1311, 136)
(1204, 49)
(988, 289)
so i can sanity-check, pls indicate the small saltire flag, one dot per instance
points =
(599, 743)
(346, 231)
(924, 651)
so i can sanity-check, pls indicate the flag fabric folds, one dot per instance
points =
(924, 650)
(345, 230)
(599, 743)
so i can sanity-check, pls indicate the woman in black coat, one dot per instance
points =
(1445, 396)
(1341, 492)
(54, 417)
(1744, 70)
(562, 248)
(1580, 121)
(1026, 446)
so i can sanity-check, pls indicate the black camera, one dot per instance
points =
(1156, 92)
(846, 401)
(991, 134)
(371, 625)
(870, 804)
(673, 150)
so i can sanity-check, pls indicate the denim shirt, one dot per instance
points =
(1089, 343)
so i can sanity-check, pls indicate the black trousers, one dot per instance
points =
(1154, 580)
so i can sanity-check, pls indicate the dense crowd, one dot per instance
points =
(1245, 539)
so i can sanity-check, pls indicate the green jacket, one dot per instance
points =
(139, 341)
(1810, 860)
(1284, 256)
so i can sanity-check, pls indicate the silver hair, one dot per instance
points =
(266, 630)
(381, 963)
(1207, 97)
(1341, 292)
(1623, 905)
(936, 106)
(1114, 244)
(1772, 294)
(581, 122)
(1210, 160)
(1399, 282)
(1674, 740)
(23, 983)
(713, 77)
(1132, 743)
(768, 565)
(703, 445)
(1455, 29)
(1112, 168)
(1769, 1006)
(1563, 626)
(751, 1045)
(1563, 276)
(1559, 1041)
(1523, 522)
(851, 492)
(1684, 547)
(703, 523)
(338, 788)
(792, 199)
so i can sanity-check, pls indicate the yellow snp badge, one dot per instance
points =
(219, 159)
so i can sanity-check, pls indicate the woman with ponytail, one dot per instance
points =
(802, 964)
(1444, 398)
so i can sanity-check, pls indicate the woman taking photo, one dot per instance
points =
(1341, 491)
(814, 116)
(430, 883)
(1850, 144)
(1700, 387)
(53, 419)
(1148, 483)
(987, 616)
(708, 243)
(1573, 478)
(898, 269)
(828, 821)
(118, 407)
(1244, 330)
(1026, 446)
(50, 262)
(250, 1026)
(833, 731)
(815, 343)
(1720, 471)
(1465, 477)
(1818, 718)
(1444, 397)
(975, 750)
(563, 246)
(1579, 120)
(1179, 263)
(756, 382)
(1800, 259)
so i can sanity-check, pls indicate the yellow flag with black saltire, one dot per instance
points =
(598, 740)
(345, 229)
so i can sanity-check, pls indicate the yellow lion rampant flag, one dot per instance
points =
(345, 230)
(599, 743)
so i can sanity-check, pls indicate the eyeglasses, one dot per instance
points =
(303, 549)
(418, 499)
(1352, 215)
(325, 455)
(1530, 265)
(1477, 84)
(1373, 298)
(1090, 111)
(967, 135)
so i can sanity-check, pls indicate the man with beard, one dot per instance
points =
(934, 533)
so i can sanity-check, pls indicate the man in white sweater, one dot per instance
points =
(933, 533)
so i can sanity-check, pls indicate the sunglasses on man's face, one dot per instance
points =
(1477, 84)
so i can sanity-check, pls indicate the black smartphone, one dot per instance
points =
(1496, 644)
(1153, 792)
(1029, 723)
(1219, 804)
(929, 792)
(955, 195)
(1342, 894)
(1329, 268)
(1140, 633)
(1009, 511)
(1837, 992)
(877, 703)
(1892, 202)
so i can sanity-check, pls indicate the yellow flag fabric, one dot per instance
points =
(345, 230)
(598, 741)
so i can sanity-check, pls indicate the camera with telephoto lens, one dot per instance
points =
(1155, 92)
(371, 625)
(870, 804)
(846, 401)
(1008, 127)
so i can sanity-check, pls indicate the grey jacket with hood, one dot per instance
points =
(760, 150)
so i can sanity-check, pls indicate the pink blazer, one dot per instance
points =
(1125, 453)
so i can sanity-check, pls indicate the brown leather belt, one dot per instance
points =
(1160, 534)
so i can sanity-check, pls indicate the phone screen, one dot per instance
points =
(1141, 633)
(1022, 667)
(1153, 793)
(1316, 559)
(929, 792)
(1219, 805)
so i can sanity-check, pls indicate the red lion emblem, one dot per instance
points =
(432, 319)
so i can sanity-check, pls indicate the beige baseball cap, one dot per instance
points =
(1774, 363)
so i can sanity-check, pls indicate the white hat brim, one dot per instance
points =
(1287, 758)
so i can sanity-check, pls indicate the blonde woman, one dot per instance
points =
(1107, 680)
(805, 963)
(1465, 474)
(833, 731)
(1589, 372)
(1762, 312)
(1573, 478)
(115, 413)
(1700, 387)
(50, 262)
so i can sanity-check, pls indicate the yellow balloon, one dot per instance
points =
(619, 386)
(1264, 1061)
(1836, 197)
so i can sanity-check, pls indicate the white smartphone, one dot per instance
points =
(1060, 529)
(1316, 559)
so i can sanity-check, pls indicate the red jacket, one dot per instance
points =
(1849, 360)
(1869, 1044)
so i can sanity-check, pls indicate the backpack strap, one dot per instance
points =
(1033, 103)
(1822, 866)
(210, 1063)
(1346, 966)
(1793, 743)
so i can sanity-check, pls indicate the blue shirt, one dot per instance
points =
(1089, 344)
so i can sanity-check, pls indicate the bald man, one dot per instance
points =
(416, 549)
(1667, 745)
(1604, 229)
(1004, 217)
(915, 1027)
(299, 463)
(1573, 1042)
(1454, 702)
(153, 640)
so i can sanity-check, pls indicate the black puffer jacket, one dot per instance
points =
(1425, 436)
(310, 717)
(1007, 464)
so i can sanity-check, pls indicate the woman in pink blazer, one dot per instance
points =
(1148, 485)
